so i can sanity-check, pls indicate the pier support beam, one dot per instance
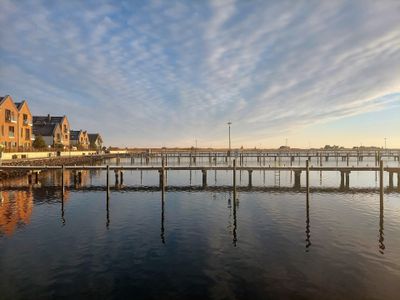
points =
(297, 176)
(398, 180)
(204, 177)
(250, 178)
(344, 179)
(391, 180)
(116, 176)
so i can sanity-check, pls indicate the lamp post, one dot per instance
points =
(229, 135)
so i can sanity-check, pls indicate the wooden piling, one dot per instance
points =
(234, 180)
(308, 175)
(108, 181)
(381, 169)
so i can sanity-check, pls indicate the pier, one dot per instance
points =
(161, 171)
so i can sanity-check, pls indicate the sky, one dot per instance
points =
(173, 73)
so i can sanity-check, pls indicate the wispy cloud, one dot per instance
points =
(162, 73)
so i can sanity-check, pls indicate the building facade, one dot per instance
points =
(50, 132)
(25, 136)
(8, 123)
(79, 139)
(95, 141)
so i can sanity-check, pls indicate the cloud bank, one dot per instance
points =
(168, 72)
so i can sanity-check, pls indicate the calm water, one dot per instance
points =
(196, 244)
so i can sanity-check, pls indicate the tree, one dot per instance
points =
(39, 143)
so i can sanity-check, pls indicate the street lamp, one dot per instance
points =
(229, 135)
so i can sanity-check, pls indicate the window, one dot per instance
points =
(66, 136)
(65, 129)
(11, 132)
(58, 137)
(25, 119)
(27, 134)
(22, 132)
(8, 115)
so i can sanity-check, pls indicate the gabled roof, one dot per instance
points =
(20, 105)
(93, 137)
(4, 99)
(48, 119)
(74, 135)
(44, 129)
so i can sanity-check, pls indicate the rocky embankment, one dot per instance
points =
(51, 161)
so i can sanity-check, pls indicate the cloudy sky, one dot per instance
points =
(166, 73)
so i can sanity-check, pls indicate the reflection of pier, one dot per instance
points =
(49, 194)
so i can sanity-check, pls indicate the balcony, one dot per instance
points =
(27, 123)
(10, 119)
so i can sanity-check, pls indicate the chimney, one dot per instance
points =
(48, 118)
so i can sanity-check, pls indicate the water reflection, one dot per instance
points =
(15, 210)
(308, 231)
(107, 211)
(62, 209)
(162, 235)
(232, 206)
(381, 233)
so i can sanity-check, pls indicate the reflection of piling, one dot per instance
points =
(381, 235)
(308, 231)
(62, 180)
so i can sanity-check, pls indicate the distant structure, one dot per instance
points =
(96, 141)
(43, 121)
(15, 125)
(50, 132)
(79, 139)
